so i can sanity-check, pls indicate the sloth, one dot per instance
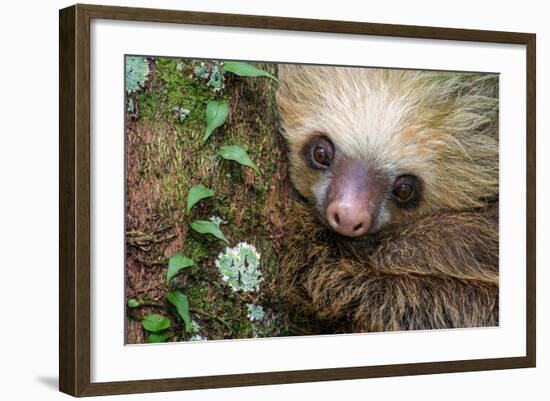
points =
(394, 225)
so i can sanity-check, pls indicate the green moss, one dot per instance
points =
(173, 90)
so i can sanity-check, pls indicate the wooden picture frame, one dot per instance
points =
(74, 199)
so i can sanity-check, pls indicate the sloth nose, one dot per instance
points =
(349, 217)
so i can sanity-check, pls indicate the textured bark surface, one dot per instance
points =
(165, 158)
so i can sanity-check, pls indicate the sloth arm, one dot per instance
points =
(439, 272)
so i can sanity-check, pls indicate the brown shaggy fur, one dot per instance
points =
(428, 267)
(439, 272)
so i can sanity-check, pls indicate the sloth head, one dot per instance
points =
(374, 147)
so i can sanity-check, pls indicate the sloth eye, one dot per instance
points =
(319, 152)
(406, 190)
(321, 156)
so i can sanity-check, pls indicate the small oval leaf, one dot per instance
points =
(243, 69)
(133, 303)
(180, 301)
(208, 227)
(157, 338)
(155, 323)
(196, 194)
(176, 264)
(238, 153)
(216, 113)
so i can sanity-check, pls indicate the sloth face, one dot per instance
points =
(351, 196)
(374, 147)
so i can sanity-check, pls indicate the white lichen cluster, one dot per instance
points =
(217, 220)
(255, 313)
(182, 113)
(240, 267)
(195, 328)
(198, 337)
(212, 74)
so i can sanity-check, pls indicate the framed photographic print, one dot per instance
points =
(250, 200)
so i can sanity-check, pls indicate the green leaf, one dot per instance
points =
(238, 154)
(180, 301)
(133, 303)
(216, 113)
(209, 227)
(157, 338)
(196, 194)
(176, 264)
(137, 70)
(155, 323)
(245, 70)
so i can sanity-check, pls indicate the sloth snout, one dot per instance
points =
(349, 217)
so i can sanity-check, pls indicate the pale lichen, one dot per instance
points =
(217, 220)
(212, 74)
(255, 313)
(240, 267)
(182, 113)
(137, 70)
(195, 329)
(197, 337)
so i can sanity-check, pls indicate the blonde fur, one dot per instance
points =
(440, 126)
